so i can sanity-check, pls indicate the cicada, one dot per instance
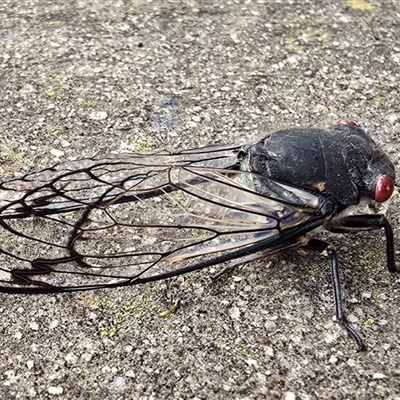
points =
(128, 219)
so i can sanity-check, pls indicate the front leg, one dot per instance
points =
(366, 222)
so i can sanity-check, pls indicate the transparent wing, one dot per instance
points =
(133, 218)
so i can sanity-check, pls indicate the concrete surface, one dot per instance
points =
(78, 78)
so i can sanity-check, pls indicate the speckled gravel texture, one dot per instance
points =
(79, 78)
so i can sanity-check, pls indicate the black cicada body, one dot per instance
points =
(135, 218)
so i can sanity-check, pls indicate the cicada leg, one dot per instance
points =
(327, 249)
(367, 222)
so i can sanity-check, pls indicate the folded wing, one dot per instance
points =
(121, 220)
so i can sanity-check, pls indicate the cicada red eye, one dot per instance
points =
(346, 122)
(384, 188)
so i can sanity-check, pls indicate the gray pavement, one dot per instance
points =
(80, 78)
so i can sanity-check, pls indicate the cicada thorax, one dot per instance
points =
(343, 163)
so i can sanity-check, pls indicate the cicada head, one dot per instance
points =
(371, 169)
